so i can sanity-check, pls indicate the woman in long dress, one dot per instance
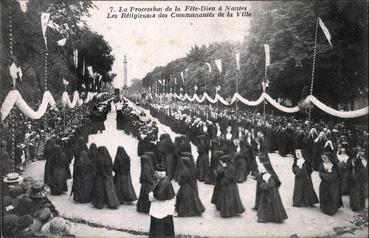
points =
(303, 193)
(188, 202)
(147, 181)
(166, 153)
(58, 172)
(329, 189)
(358, 181)
(104, 190)
(83, 179)
(229, 201)
(122, 178)
(270, 208)
(202, 163)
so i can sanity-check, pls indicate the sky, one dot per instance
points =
(149, 43)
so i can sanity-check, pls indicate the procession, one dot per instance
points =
(259, 132)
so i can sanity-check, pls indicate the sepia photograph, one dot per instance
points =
(184, 118)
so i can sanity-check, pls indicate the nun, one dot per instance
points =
(104, 190)
(166, 154)
(58, 171)
(229, 202)
(48, 154)
(344, 168)
(329, 189)
(162, 208)
(147, 181)
(188, 202)
(83, 179)
(358, 181)
(303, 193)
(202, 163)
(270, 207)
(122, 177)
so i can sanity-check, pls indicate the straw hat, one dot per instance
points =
(57, 226)
(12, 178)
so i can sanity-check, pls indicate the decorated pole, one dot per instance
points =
(265, 84)
(237, 77)
(313, 70)
(12, 115)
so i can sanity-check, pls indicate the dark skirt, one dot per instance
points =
(229, 201)
(162, 227)
(124, 188)
(188, 202)
(143, 203)
(202, 166)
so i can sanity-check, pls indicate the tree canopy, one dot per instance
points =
(66, 21)
(289, 29)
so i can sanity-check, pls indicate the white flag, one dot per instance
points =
(218, 63)
(325, 30)
(196, 87)
(238, 60)
(84, 67)
(267, 55)
(265, 84)
(75, 58)
(62, 42)
(175, 81)
(19, 73)
(23, 5)
(44, 21)
(182, 76)
(209, 66)
(13, 71)
(65, 82)
(217, 88)
(90, 71)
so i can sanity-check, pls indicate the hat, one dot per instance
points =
(57, 226)
(36, 190)
(13, 178)
(27, 226)
(42, 214)
(9, 223)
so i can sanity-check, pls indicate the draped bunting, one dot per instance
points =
(274, 103)
(66, 101)
(15, 98)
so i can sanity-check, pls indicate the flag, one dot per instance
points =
(181, 89)
(83, 86)
(186, 70)
(23, 5)
(44, 21)
(265, 84)
(13, 71)
(84, 67)
(267, 55)
(209, 66)
(182, 76)
(20, 74)
(325, 30)
(175, 81)
(90, 70)
(65, 82)
(75, 58)
(238, 60)
(217, 88)
(62, 42)
(218, 62)
(196, 87)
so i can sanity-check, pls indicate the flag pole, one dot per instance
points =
(264, 87)
(314, 59)
(237, 82)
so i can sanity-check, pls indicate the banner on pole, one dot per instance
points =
(62, 42)
(75, 58)
(267, 55)
(238, 60)
(84, 67)
(23, 5)
(218, 63)
(44, 21)
(209, 66)
(326, 31)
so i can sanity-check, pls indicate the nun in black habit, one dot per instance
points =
(330, 187)
(147, 181)
(166, 152)
(188, 202)
(202, 163)
(48, 154)
(270, 208)
(303, 193)
(358, 181)
(104, 190)
(229, 202)
(83, 179)
(122, 177)
(162, 208)
(58, 172)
